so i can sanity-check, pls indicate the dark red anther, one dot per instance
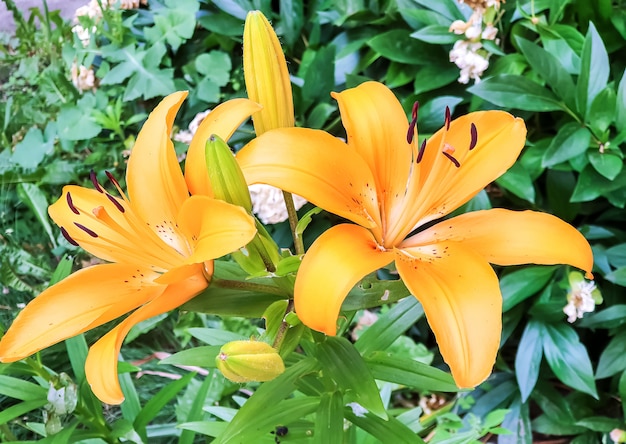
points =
(112, 179)
(116, 203)
(414, 111)
(411, 132)
(94, 181)
(447, 118)
(452, 159)
(420, 153)
(474, 136)
(71, 204)
(68, 237)
(86, 230)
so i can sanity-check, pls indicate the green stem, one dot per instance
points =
(248, 286)
(293, 222)
(282, 330)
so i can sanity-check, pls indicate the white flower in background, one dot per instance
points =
(185, 136)
(93, 11)
(469, 58)
(268, 203)
(83, 78)
(582, 297)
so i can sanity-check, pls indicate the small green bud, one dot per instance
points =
(226, 178)
(245, 361)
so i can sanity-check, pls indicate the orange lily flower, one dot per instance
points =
(161, 243)
(390, 189)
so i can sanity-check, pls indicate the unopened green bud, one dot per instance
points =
(245, 361)
(226, 178)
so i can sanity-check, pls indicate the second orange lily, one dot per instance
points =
(390, 188)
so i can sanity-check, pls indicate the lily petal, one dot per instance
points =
(222, 121)
(108, 228)
(441, 186)
(101, 363)
(374, 122)
(266, 74)
(156, 186)
(506, 237)
(336, 261)
(216, 227)
(88, 298)
(461, 298)
(317, 166)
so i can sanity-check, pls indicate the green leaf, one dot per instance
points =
(319, 77)
(512, 91)
(31, 151)
(599, 423)
(436, 34)
(157, 402)
(602, 111)
(558, 417)
(572, 140)
(518, 422)
(568, 358)
(621, 387)
(528, 358)
(620, 105)
(398, 46)
(550, 69)
(32, 196)
(20, 389)
(386, 431)
(329, 419)
(214, 336)
(617, 255)
(613, 359)
(343, 363)
(77, 352)
(390, 326)
(195, 412)
(521, 284)
(371, 292)
(517, 180)
(446, 8)
(203, 356)
(594, 71)
(617, 276)
(609, 165)
(15, 411)
(215, 65)
(433, 76)
(611, 317)
(174, 24)
(291, 20)
(244, 427)
(400, 370)
(592, 185)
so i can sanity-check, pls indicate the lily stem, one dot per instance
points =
(249, 286)
(293, 222)
(282, 330)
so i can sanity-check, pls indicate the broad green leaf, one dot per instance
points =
(203, 356)
(433, 76)
(436, 34)
(196, 412)
(32, 149)
(417, 18)
(511, 91)
(528, 358)
(157, 402)
(76, 124)
(398, 45)
(521, 284)
(617, 276)
(517, 180)
(215, 65)
(214, 336)
(32, 196)
(343, 363)
(77, 352)
(572, 140)
(386, 431)
(558, 416)
(329, 418)
(599, 423)
(291, 20)
(245, 424)
(401, 370)
(617, 255)
(611, 317)
(613, 359)
(131, 405)
(565, 43)
(432, 113)
(550, 69)
(319, 77)
(568, 358)
(174, 24)
(446, 8)
(560, 186)
(621, 389)
(592, 184)
(602, 111)
(208, 428)
(371, 292)
(620, 105)
(607, 164)
(20, 389)
(222, 23)
(390, 326)
(518, 422)
(594, 71)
